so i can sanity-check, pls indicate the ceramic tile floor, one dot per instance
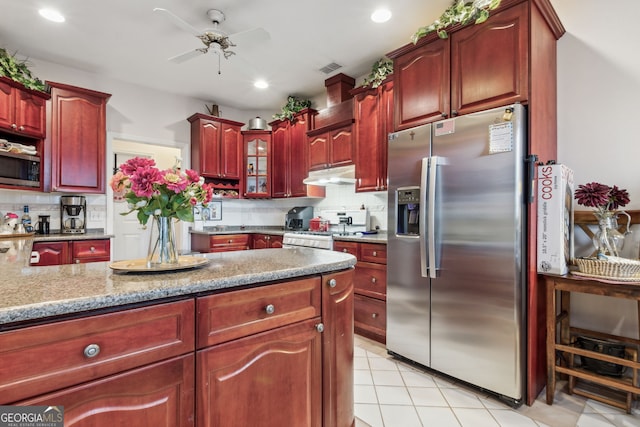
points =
(390, 393)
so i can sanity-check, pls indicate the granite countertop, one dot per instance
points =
(379, 237)
(30, 293)
(56, 236)
(240, 229)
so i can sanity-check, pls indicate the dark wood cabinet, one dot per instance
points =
(331, 148)
(216, 153)
(220, 242)
(476, 68)
(22, 121)
(370, 314)
(373, 112)
(72, 252)
(290, 155)
(257, 164)
(78, 139)
(265, 241)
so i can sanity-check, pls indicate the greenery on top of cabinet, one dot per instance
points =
(460, 12)
(294, 105)
(18, 71)
(380, 70)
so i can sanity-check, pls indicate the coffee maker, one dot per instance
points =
(297, 219)
(73, 215)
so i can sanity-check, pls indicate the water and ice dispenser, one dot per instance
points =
(408, 211)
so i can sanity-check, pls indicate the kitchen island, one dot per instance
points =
(252, 338)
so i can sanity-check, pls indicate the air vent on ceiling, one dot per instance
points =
(330, 68)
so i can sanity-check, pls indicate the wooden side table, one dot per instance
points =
(618, 392)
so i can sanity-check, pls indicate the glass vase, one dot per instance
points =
(607, 239)
(162, 243)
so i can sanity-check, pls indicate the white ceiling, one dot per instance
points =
(125, 40)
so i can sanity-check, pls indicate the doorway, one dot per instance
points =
(130, 238)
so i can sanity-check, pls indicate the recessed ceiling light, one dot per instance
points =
(261, 84)
(381, 15)
(51, 15)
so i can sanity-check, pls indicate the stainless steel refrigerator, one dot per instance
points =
(456, 248)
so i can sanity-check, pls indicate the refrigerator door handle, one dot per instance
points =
(431, 217)
(422, 218)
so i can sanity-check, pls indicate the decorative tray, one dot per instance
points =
(140, 265)
(609, 278)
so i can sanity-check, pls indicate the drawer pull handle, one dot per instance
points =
(320, 327)
(374, 315)
(92, 249)
(332, 283)
(373, 280)
(92, 350)
(270, 309)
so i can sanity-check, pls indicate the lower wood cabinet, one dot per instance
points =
(264, 241)
(273, 355)
(72, 252)
(370, 310)
(220, 242)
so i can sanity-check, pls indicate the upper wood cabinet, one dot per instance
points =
(331, 148)
(290, 155)
(78, 139)
(215, 146)
(373, 112)
(477, 67)
(22, 111)
(257, 164)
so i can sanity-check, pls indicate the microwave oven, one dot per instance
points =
(17, 169)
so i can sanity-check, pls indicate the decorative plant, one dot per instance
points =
(18, 71)
(460, 12)
(294, 105)
(601, 197)
(380, 70)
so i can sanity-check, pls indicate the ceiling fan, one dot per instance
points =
(214, 39)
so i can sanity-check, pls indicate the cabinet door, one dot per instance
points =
(7, 105)
(341, 146)
(319, 152)
(367, 130)
(299, 156)
(271, 379)
(30, 114)
(154, 396)
(257, 164)
(489, 62)
(208, 148)
(337, 316)
(260, 241)
(230, 151)
(78, 139)
(421, 81)
(275, 241)
(280, 159)
(52, 253)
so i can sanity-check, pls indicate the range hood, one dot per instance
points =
(341, 175)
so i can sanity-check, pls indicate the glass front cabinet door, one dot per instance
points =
(257, 155)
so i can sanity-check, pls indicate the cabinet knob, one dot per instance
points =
(374, 315)
(270, 309)
(332, 283)
(14, 126)
(230, 241)
(374, 280)
(21, 128)
(444, 115)
(375, 253)
(320, 327)
(77, 261)
(268, 238)
(345, 250)
(92, 350)
(454, 113)
(92, 249)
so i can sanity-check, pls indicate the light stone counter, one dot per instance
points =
(380, 237)
(30, 293)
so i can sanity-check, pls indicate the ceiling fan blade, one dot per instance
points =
(249, 36)
(179, 22)
(183, 57)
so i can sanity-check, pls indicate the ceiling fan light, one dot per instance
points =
(51, 15)
(381, 15)
(261, 84)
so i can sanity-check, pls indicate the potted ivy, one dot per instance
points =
(293, 106)
(460, 12)
(18, 71)
(379, 71)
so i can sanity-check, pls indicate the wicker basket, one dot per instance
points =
(618, 267)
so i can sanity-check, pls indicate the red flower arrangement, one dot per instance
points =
(154, 192)
(602, 197)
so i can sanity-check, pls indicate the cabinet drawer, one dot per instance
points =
(40, 359)
(371, 252)
(231, 315)
(346, 247)
(370, 317)
(90, 251)
(371, 280)
(229, 242)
